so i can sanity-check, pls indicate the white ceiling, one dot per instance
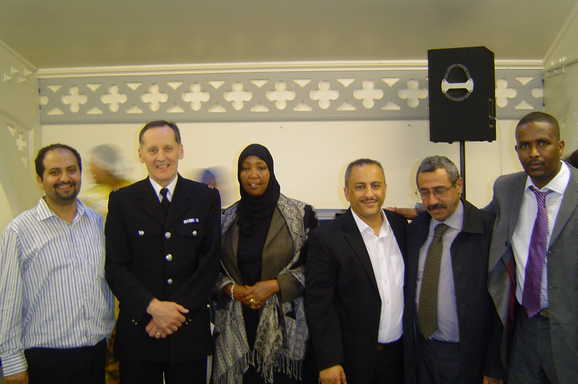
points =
(81, 33)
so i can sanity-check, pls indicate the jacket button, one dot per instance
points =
(169, 281)
(169, 257)
(167, 235)
(194, 233)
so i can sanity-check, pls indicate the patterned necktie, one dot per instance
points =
(165, 203)
(428, 301)
(536, 256)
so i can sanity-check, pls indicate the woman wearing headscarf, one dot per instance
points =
(260, 327)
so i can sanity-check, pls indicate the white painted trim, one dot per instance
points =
(18, 56)
(294, 66)
(561, 34)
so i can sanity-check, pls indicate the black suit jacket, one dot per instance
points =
(342, 300)
(172, 259)
(477, 320)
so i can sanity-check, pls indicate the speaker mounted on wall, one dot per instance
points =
(462, 102)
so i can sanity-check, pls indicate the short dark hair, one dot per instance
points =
(359, 163)
(541, 117)
(431, 163)
(158, 124)
(39, 161)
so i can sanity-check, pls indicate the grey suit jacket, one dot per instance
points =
(562, 270)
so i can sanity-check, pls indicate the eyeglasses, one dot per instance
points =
(437, 192)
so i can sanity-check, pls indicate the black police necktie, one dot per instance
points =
(165, 203)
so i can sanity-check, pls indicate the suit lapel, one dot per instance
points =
(515, 197)
(148, 200)
(398, 232)
(354, 239)
(231, 240)
(274, 228)
(567, 208)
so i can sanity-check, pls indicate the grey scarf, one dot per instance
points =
(281, 339)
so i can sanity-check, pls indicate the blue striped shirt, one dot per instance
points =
(53, 291)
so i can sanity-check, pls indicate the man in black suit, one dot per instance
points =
(451, 330)
(162, 244)
(354, 285)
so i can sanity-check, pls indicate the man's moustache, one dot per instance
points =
(435, 206)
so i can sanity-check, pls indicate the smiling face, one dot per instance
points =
(365, 191)
(439, 196)
(61, 178)
(161, 153)
(539, 151)
(254, 175)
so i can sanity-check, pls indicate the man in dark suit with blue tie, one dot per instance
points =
(534, 258)
(162, 244)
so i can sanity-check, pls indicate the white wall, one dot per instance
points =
(19, 129)
(310, 157)
(561, 81)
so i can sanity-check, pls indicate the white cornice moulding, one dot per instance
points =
(293, 66)
(552, 62)
(18, 57)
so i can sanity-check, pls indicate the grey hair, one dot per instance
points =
(431, 163)
(359, 163)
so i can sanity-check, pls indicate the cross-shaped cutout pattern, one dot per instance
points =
(368, 94)
(238, 97)
(280, 95)
(412, 94)
(21, 143)
(503, 93)
(324, 95)
(196, 97)
(154, 97)
(74, 99)
(113, 98)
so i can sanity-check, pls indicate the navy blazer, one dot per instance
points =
(173, 259)
(477, 320)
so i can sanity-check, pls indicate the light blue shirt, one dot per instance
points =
(54, 294)
(447, 314)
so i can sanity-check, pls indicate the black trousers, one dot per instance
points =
(148, 372)
(389, 364)
(439, 362)
(531, 361)
(66, 366)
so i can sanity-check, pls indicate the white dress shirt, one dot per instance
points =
(171, 187)
(388, 269)
(53, 290)
(525, 225)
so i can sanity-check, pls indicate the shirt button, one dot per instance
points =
(169, 281)
(167, 235)
(169, 257)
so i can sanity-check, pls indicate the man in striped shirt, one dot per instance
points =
(56, 309)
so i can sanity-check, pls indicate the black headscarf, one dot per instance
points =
(256, 210)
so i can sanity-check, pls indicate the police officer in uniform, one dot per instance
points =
(162, 245)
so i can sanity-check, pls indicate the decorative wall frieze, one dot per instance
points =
(348, 93)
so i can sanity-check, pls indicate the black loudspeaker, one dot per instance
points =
(462, 102)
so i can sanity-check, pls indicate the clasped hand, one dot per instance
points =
(255, 296)
(167, 318)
